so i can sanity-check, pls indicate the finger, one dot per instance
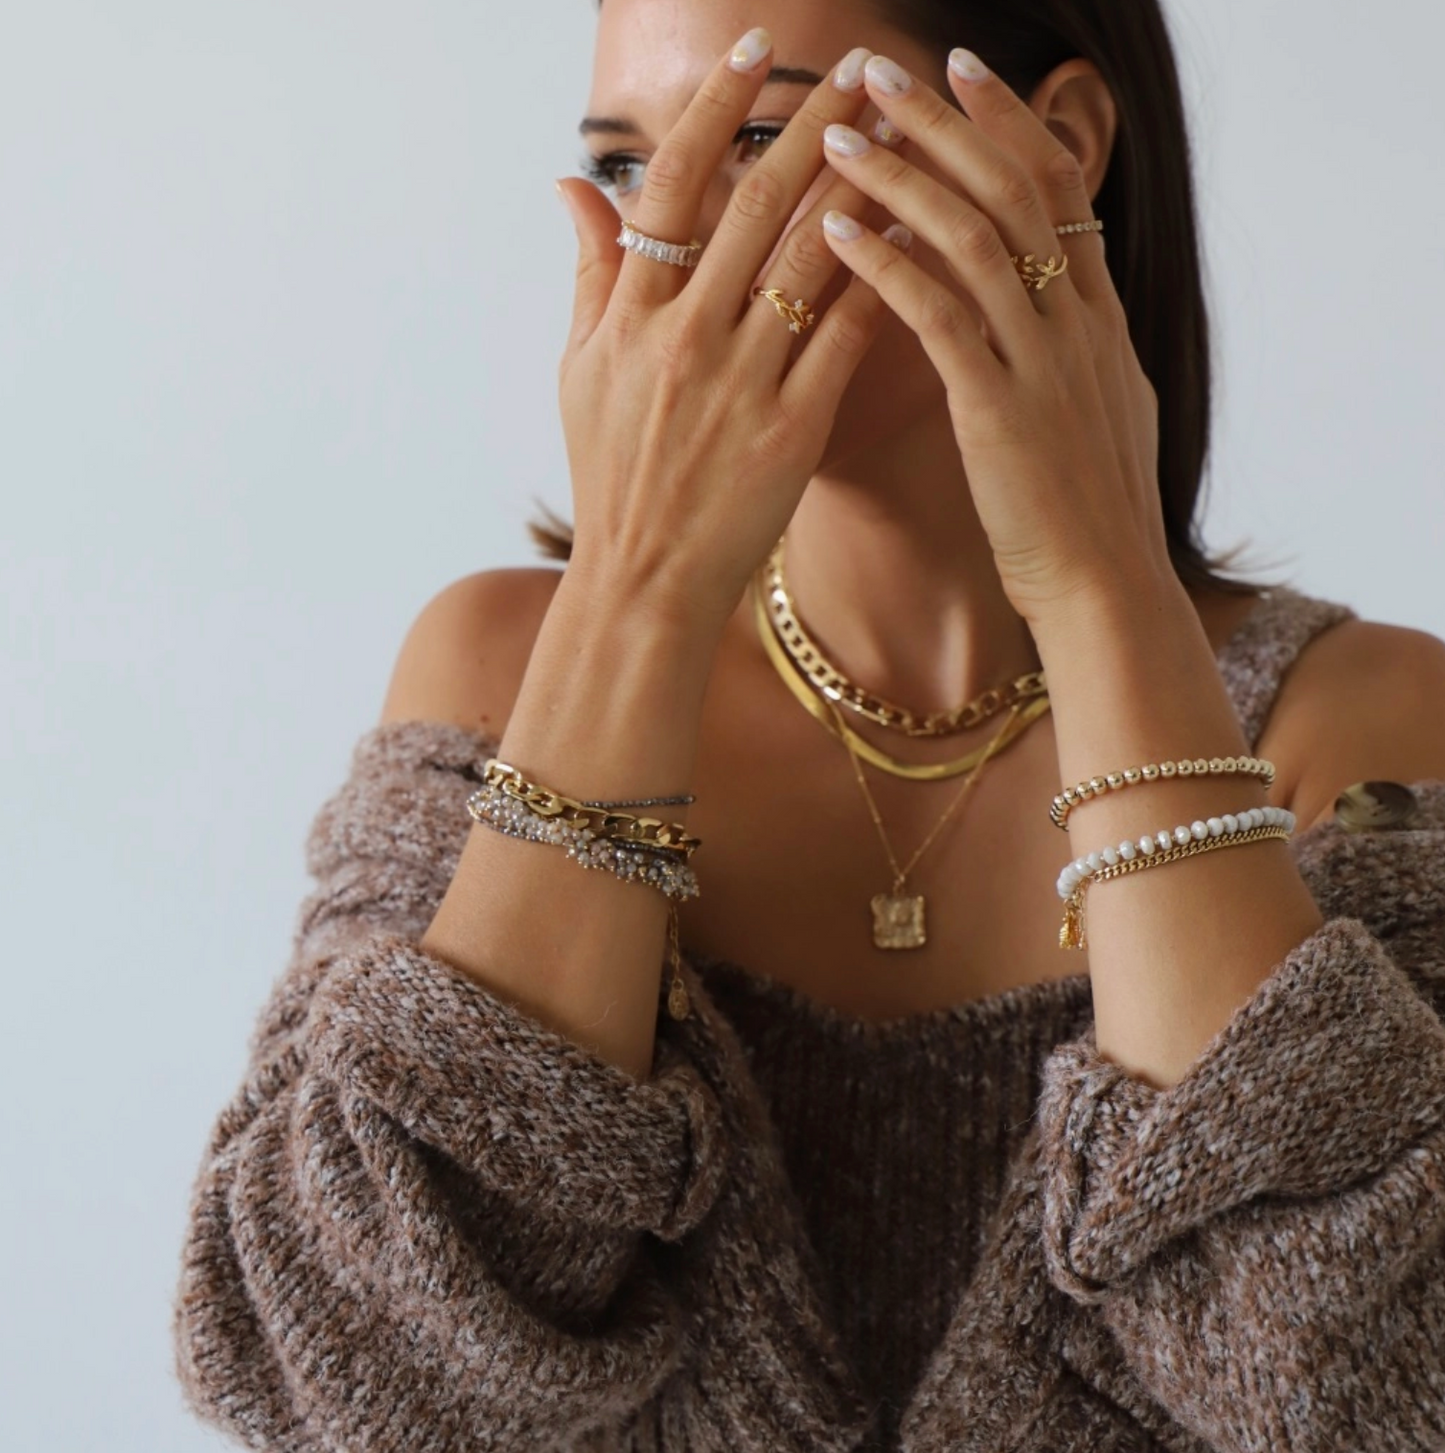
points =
(765, 200)
(832, 353)
(682, 168)
(599, 259)
(963, 235)
(949, 333)
(801, 270)
(1002, 118)
(987, 174)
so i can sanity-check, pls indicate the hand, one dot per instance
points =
(1055, 418)
(693, 422)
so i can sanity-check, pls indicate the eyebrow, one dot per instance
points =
(622, 126)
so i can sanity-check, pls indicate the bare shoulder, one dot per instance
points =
(464, 656)
(1364, 701)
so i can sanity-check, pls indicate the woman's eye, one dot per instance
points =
(618, 173)
(752, 141)
(622, 172)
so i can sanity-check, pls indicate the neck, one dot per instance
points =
(893, 575)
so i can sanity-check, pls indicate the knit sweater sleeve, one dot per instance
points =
(426, 1221)
(1265, 1239)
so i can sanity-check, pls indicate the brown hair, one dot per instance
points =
(1147, 206)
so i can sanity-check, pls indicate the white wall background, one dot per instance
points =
(282, 288)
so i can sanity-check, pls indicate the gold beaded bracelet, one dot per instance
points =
(619, 827)
(1071, 797)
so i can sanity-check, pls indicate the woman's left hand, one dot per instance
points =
(1056, 420)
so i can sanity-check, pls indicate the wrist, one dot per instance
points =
(662, 597)
(1115, 619)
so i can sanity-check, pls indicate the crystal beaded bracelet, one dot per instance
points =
(502, 812)
(1184, 841)
(1070, 797)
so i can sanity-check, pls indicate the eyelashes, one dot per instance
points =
(622, 171)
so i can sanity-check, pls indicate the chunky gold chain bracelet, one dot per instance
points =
(619, 827)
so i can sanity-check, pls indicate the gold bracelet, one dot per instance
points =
(1071, 797)
(619, 827)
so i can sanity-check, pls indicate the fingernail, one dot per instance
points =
(888, 75)
(845, 141)
(849, 75)
(899, 236)
(887, 133)
(967, 65)
(749, 52)
(842, 226)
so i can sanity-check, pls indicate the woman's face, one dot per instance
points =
(652, 55)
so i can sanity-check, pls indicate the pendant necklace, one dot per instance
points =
(899, 917)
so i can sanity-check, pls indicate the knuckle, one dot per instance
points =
(849, 336)
(934, 120)
(1003, 103)
(942, 317)
(714, 98)
(974, 238)
(1065, 171)
(681, 343)
(776, 441)
(758, 197)
(625, 320)
(806, 252)
(669, 174)
(894, 171)
(1015, 189)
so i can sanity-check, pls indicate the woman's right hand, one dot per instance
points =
(694, 416)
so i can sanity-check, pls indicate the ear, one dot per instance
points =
(1074, 101)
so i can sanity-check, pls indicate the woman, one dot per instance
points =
(861, 1159)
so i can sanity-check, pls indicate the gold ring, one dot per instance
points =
(1038, 275)
(797, 315)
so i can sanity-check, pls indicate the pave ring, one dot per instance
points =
(679, 254)
(797, 315)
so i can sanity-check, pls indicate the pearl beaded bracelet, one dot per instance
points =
(1151, 850)
(1070, 797)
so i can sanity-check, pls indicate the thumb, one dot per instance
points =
(599, 258)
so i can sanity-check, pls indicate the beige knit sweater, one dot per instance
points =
(426, 1222)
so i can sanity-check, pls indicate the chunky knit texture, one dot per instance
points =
(426, 1222)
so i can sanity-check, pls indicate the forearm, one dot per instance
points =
(610, 709)
(1174, 950)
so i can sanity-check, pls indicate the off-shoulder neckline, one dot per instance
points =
(1018, 1000)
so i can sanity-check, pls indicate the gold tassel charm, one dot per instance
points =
(1071, 932)
(678, 1004)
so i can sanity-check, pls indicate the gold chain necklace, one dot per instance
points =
(823, 711)
(900, 918)
(808, 657)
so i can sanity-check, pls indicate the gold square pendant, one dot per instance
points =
(898, 921)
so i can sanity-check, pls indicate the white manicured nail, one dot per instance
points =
(842, 226)
(845, 141)
(888, 76)
(849, 75)
(899, 236)
(749, 52)
(964, 63)
(887, 134)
